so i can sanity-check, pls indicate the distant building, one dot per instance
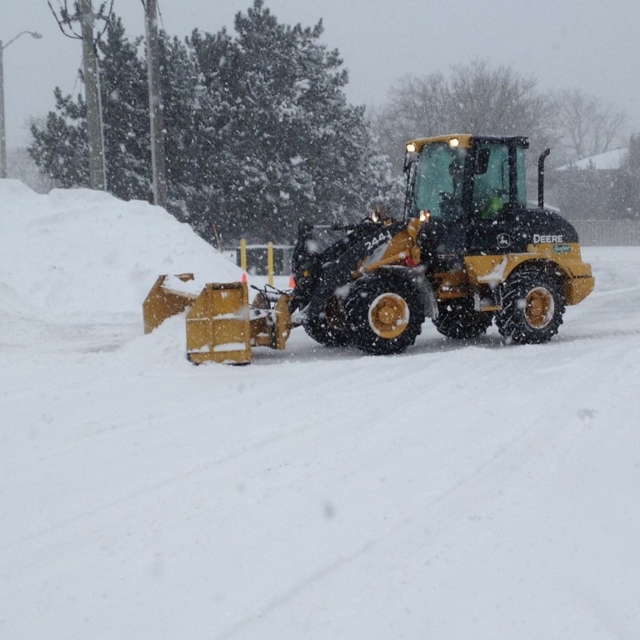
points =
(607, 161)
(582, 189)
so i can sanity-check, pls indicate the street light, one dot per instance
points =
(3, 139)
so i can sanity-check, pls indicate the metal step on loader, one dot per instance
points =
(468, 252)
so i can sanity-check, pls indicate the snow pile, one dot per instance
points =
(462, 490)
(84, 254)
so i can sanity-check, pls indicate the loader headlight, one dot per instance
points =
(411, 147)
(454, 143)
(425, 215)
(379, 214)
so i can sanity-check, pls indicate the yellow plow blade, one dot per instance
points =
(218, 328)
(167, 298)
(221, 325)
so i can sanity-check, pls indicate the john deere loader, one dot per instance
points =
(468, 252)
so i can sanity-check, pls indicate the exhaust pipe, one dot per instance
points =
(543, 157)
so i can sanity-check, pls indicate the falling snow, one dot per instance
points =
(461, 490)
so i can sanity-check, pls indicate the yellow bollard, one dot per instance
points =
(243, 255)
(270, 263)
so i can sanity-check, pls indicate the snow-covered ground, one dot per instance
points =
(460, 491)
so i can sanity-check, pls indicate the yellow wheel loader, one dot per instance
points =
(468, 252)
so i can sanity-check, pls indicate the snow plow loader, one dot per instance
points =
(468, 252)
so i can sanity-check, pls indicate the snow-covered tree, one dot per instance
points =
(474, 98)
(291, 146)
(386, 187)
(60, 147)
(125, 114)
(259, 134)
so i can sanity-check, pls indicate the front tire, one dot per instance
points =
(385, 314)
(327, 328)
(532, 307)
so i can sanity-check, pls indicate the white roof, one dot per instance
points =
(601, 162)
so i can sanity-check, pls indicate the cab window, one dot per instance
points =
(491, 181)
(439, 177)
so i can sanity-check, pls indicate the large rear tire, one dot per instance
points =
(458, 319)
(532, 307)
(384, 314)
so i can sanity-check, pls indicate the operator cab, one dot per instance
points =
(472, 191)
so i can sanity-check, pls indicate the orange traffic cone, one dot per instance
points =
(292, 282)
(245, 278)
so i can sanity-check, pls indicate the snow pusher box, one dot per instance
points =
(467, 252)
(221, 325)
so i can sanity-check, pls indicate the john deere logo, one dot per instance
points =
(504, 241)
(561, 248)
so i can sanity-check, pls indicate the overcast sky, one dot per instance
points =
(588, 44)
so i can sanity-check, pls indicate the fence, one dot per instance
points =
(262, 259)
(608, 233)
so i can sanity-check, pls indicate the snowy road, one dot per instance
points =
(462, 490)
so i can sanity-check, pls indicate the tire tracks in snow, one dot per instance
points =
(536, 450)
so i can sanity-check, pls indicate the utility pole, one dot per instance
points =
(3, 139)
(94, 129)
(156, 115)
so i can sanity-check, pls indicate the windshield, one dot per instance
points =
(438, 186)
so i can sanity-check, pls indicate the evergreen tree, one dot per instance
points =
(125, 114)
(385, 186)
(60, 148)
(259, 134)
(180, 91)
(291, 145)
(209, 146)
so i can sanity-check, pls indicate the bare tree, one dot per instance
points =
(587, 125)
(496, 101)
(417, 107)
(475, 98)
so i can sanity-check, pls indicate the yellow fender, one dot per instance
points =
(577, 279)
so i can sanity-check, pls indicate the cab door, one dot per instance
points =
(440, 194)
(498, 193)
